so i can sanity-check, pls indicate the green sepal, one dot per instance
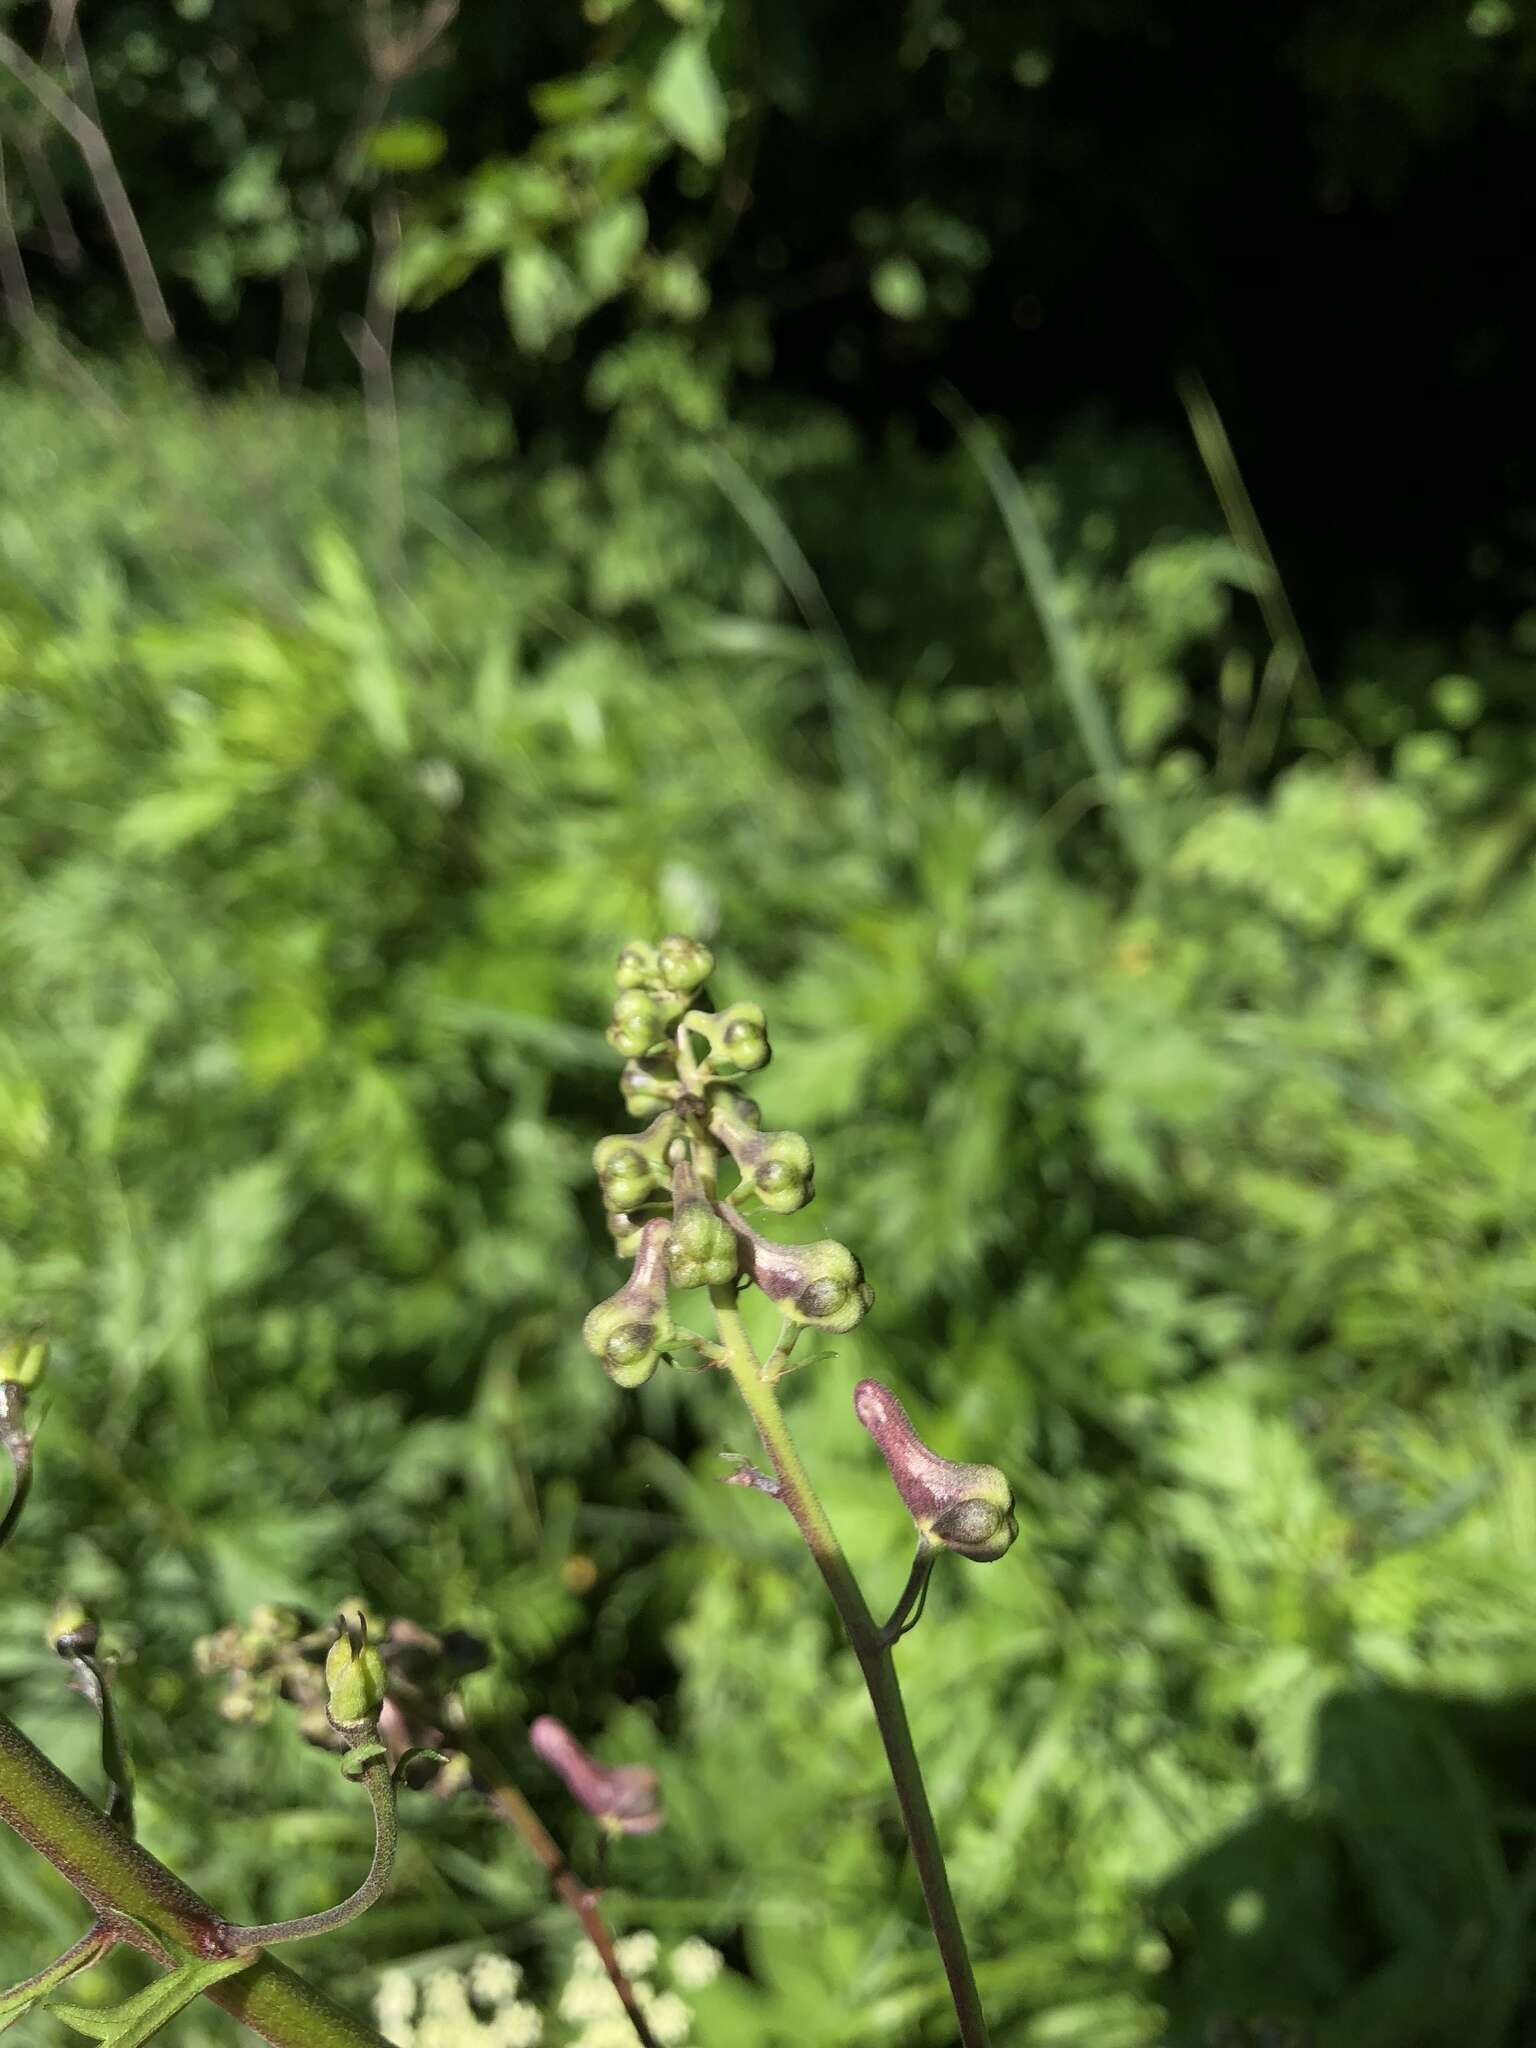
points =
(141, 2017)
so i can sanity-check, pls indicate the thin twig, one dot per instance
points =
(372, 340)
(52, 210)
(908, 1611)
(122, 222)
(513, 1810)
(15, 290)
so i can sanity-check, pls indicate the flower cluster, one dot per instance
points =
(661, 1186)
(682, 1229)
(487, 2006)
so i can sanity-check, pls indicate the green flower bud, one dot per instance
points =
(355, 1682)
(737, 1037)
(648, 1086)
(777, 1163)
(636, 965)
(701, 1251)
(636, 1024)
(625, 1231)
(683, 963)
(631, 1329)
(71, 1630)
(22, 1359)
(630, 1169)
(819, 1284)
(964, 1508)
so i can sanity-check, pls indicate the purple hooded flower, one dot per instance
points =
(621, 1796)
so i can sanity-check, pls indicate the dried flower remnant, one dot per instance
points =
(964, 1508)
(622, 1796)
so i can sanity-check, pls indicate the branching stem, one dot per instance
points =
(149, 1906)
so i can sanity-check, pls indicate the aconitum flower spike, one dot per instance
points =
(964, 1508)
(819, 1284)
(701, 1250)
(631, 1329)
(631, 1168)
(621, 1796)
(778, 1164)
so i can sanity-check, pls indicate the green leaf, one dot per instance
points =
(897, 288)
(687, 100)
(140, 2018)
(541, 297)
(407, 146)
(608, 244)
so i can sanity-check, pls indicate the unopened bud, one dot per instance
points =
(648, 1086)
(625, 1231)
(778, 1164)
(629, 1169)
(701, 1250)
(964, 1508)
(22, 1359)
(631, 1329)
(636, 1024)
(737, 1037)
(683, 964)
(355, 1680)
(636, 965)
(72, 1631)
(819, 1284)
(621, 1796)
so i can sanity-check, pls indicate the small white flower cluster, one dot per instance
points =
(481, 2008)
(590, 2005)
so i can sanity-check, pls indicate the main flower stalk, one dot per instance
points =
(685, 1066)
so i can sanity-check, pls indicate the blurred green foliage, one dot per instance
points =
(1194, 1184)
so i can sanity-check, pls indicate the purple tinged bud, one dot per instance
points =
(631, 1329)
(777, 1163)
(964, 1508)
(819, 1284)
(621, 1796)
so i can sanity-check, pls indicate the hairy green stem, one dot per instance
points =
(121, 1880)
(873, 1650)
(380, 1784)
